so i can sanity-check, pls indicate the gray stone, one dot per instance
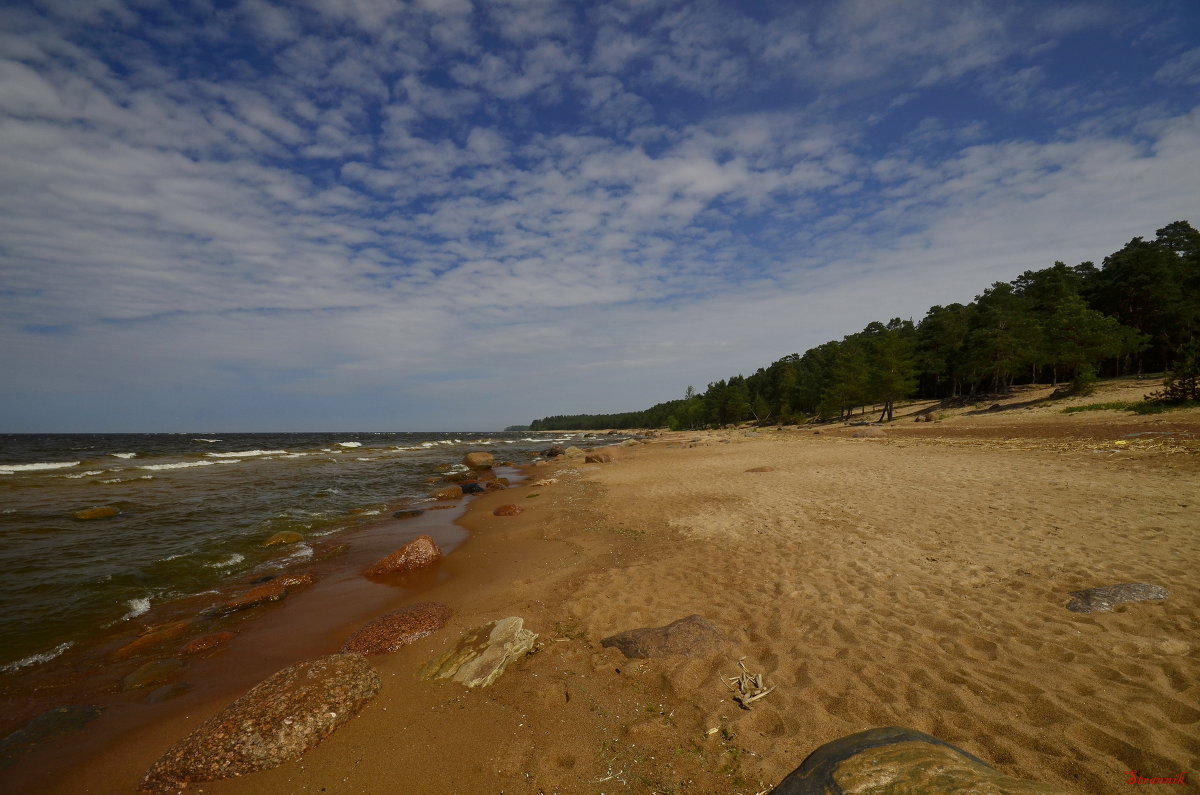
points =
(277, 720)
(893, 759)
(693, 636)
(483, 653)
(1101, 600)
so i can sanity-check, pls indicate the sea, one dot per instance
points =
(195, 509)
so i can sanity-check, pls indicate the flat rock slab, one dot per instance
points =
(152, 674)
(1101, 600)
(893, 759)
(693, 636)
(277, 720)
(50, 724)
(482, 654)
(399, 628)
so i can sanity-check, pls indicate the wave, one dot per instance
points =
(349, 444)
(128, 480)
(232, 560)
(210, 441)
(124, 455)
(87, 474)
(137, 607)
(179, 465)
(11, 469)
(246, 453)
(35, 659)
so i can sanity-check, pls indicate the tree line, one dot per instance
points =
(1137, 313)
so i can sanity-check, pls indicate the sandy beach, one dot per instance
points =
(916, 580)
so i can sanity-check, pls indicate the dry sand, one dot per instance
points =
(918, 580)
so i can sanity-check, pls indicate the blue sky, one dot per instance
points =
(464, 214)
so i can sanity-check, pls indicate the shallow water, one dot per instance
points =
(195, 509)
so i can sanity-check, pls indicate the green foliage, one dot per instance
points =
(1084, 382)
(1182, 383)
(1137, 312)
(1119, 405)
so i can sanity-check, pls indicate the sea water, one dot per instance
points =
(195, 511)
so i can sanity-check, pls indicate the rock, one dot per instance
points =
(283, 537)
(552, 452)
(892, 759)
(50, 724)
(411, 513)
(416, 554)
(868, 433)
(499, 484)
(573, 452)
(507, 510)
(399, 628)
(482, 654)
(263, 594)
(448, 493)
(460, 477)
(153, 636)
(156, 672)
(479, 460)
(212, 642)
(98, 512)
(326, 550)
(295, 581)
(761, 469)
(693, 636)
(474, 487)
(275, 721)
(601, 456)
(1101, 600)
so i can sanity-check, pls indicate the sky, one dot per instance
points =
(465, 214)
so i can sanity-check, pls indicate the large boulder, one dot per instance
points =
(693, 636)
(552, 452)
(892, 759)
(483, 653)
(416, 554)
(479, 460)
(277, 720)
(399, 628)
(1102, 600)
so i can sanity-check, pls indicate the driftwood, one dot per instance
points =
(749, 687)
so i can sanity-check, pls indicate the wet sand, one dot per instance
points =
(918, 580)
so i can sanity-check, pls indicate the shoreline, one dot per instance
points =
(918, 580)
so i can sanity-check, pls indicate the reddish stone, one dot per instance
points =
(507, 510)
(416, 554)
(499, 484)
(399, 628)
(448, 493)
(263, 594)
(208, 642)
(99, 512)
(150, 638)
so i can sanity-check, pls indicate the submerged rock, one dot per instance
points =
(50, 724)
(448, 493)
(399, 628)
(212, 642)
(325, 550)
(153, 673)
(283, 537)
(892, 759)
(409, 513)
(507, 510)
(473, 487)
(273, 591)
(275, 721)
(416, 554)
(1101, 600)
(153, 636)
(98, 512)
(693, 636)
(483, 653)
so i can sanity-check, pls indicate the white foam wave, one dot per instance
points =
(127, 480)
(349, 444)
(179, 465)
(11, 469)
(210, 441)
(137, 607)
(35, 659)
(246, 453)
(232, 560)
(124, 455)
(87, 474)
